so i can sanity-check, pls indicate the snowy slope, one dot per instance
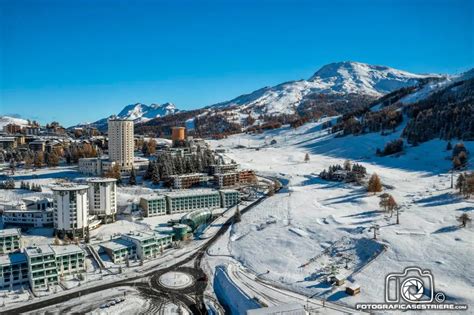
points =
(5, 120)
(330, 215)
(336, 78)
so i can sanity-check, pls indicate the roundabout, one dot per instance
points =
(176, 280)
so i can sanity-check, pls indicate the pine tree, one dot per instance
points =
(347, 165)
(132, 181)
(306, 158)
(375, 184)
(237, 215)
(155, 174)
(449, 146)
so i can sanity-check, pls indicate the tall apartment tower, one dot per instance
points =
(103, 198)
(121, 144)
(71, 209)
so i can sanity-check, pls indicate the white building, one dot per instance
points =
(121, 143)
(145, 244)
(32, 211)
(95, 166)
(102, 195)
(71, 209)
(10, 240)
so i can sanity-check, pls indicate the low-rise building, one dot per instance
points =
(145, 244)
(42, 267)
(119, 250)
(31, 211)
(185, 201)
(189, 180)
(223, 168)
(10, 240)
(229, 198)
(70, 259)
(153, 205)
(227, 179)
(95, 166)
(247, 177)
(13, 270)
(7, 143)
(37, 145)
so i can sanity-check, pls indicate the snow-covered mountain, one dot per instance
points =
(138, 112)
(341, 78)
(141, 112)
(5, 120)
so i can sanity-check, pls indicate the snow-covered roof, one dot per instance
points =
(66, 249)
(11, 259)
(39, 251)
(9, 232)
(101, 180)
(68, 187)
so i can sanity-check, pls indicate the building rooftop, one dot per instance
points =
(39, 251)
(117, 244)
(14, 258)
(191, 192)
(189, 175)
(139, 236)
(101, 180)
(9, 232)
(68, 187)
(229, 190)
(36, 199)
(66, 249)
(153, 197)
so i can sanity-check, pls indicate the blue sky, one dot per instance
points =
(77, 61)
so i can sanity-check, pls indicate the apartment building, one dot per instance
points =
(247, 177)
(227, 179)
(70, 259)
(42, 267)
(119, 250)
(102, 196)
(31, 211)
(153, 205)
(13, 270)
(121, 143)
(223, 168)
(10, 240)
(145, 243)
(71, 209)
(189, 180)
(95, 166)
(185, 201)
(229, 197)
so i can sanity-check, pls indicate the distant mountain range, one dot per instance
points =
(336, 88)
(138, 112)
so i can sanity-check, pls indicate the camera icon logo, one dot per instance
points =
(414, 285)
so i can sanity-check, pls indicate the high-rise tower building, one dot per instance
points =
(121, 144)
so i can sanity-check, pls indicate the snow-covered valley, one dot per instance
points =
(296, 237)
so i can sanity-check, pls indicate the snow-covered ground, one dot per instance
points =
(313, 227)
